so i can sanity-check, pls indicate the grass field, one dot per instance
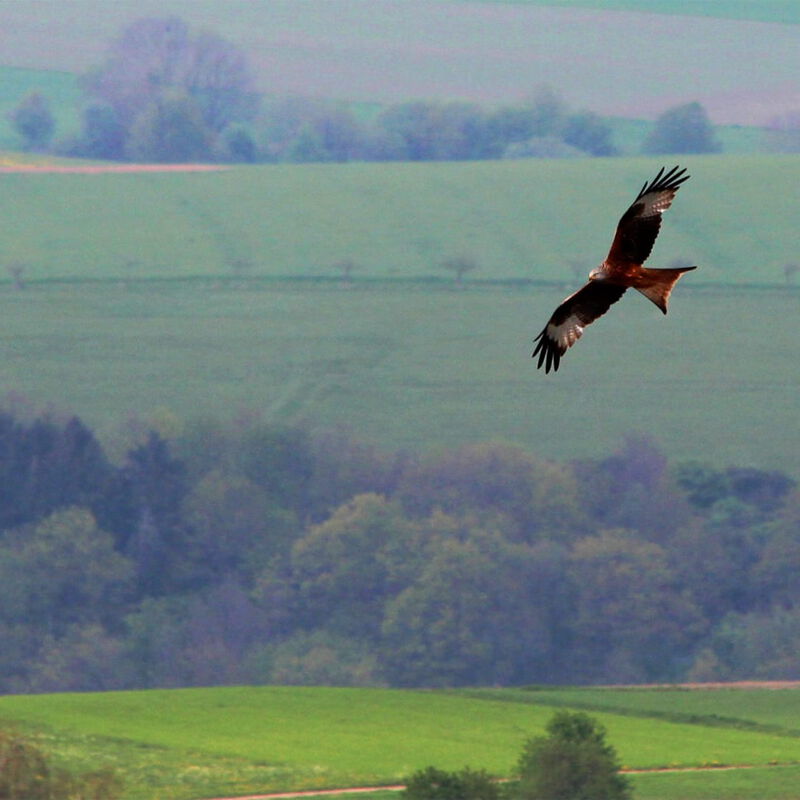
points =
(200, 742)
(763, 10)
(400, 357)
(773, 783)
(767, 709)
(524, 220)
(418, 366)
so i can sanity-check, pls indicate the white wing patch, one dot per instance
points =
(655, 204)
(567, 333)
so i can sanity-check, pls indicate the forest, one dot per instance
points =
(241, 552)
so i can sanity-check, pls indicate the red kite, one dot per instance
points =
(636, 233)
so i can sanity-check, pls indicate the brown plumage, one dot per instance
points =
(622, 269)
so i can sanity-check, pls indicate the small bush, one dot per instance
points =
(25, 774)
(436, 784)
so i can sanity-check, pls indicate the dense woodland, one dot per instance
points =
(248, 553)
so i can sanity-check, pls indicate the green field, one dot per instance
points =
(762, 10)
(417, 366)
(772, 783)
(765, 709)
(521, 220)
(210, 293)
(198, 742)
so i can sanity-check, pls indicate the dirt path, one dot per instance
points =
(398, 787)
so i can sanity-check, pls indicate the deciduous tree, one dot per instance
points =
(539, 498)
(340, 566)
(460, 266)
(62, 571)
(573, 762)
(590, 133)
(169, 129)
(632, 620)
(169, 92)
(682, 129)
(480, 611)
(319, 658)
(33, 121)
(232, 527)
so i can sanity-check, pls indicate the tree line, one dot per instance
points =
(166, 93)
(253, 553)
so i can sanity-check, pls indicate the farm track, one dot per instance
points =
(398, 787)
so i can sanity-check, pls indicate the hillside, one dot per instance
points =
(527, 220)
(415, 367)
(765, 11)
(203, 742)
(258, 316)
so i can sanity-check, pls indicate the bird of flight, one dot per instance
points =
(636, 233)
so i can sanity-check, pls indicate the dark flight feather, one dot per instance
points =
(566, 324)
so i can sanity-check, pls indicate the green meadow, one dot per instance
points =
(527, 220)
(763, 11)
(203, 295)
(765, 708)
(756, 709)
(769, 783)
(416, 365)
(195, 743)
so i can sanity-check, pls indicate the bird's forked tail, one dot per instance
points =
(656, 284)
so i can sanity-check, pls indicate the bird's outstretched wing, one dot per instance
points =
(566, 325)
(639, 225)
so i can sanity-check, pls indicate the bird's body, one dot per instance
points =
(622, 269)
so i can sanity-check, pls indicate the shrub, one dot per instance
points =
(573, 762)
(26, 774)
(436, 784)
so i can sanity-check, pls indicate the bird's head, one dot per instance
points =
(597, 274)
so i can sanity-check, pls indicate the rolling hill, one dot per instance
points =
(211, 292)
(520, 220)
(196, 743)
